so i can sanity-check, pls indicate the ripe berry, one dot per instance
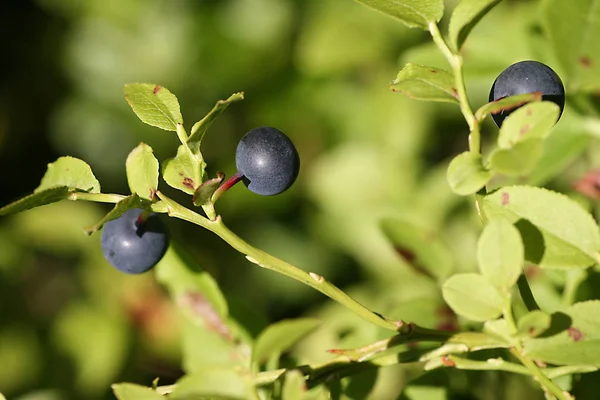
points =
(134, 246)
(268, 161)
(527, 77)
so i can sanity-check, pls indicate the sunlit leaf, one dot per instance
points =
(505, 104)
(500, 253)
(532, 121)
(464, 18)
(518, 160)
(71, 172)
(204, 192)
(294, 386)
(473, 297)
(121, 207)
(130, 391)
(533, 323)
(40, 198)
(466, 174)
(185, 171)
(413, 13)
(425, 83)
(154, 105)
(221, 383)
(142, 171)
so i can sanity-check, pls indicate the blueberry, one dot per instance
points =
(526, 77)
(132, 246)
(268, 161)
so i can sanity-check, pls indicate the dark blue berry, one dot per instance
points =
(134, 246)
(268, 161)
(527, 77)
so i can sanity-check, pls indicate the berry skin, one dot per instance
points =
(526, 77)
(268, 161)
(133, 247)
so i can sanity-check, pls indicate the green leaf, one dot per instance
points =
(199, 129)
(464, 18)
(466, 174)
(413, 13)
(294, 386)
(184, 172)
(142, 171)
(425, 83)
(533, 323)
(413, 392)
(577, 340)
(407, 233)
(473, 297)
(464, 342)
(573, 28)
(127, 203)
(279, 337)
(37, 199)
(534, 120)
(71, 172)
(217, 383)
(498, 328)
(2, 397)
(500, 253)
(518, 160)
(556, 231)
(204, 192)
(507, 103)
(130, 391)
(154, 105)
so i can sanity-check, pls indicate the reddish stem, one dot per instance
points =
(228, 184)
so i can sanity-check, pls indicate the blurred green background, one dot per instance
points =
(70, 325)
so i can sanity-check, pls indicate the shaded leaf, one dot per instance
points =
(577, 342)
(204, 192)
(414, 392)
(413, 13)
(121, 207)
(142, 171)
(557, 232)
(71, 172)
(534, 120)
(184, 172)
(473, 297)
(294, 386)
(464, 18)
(533, 323)
(467, 341)
(466, 174)
(425, 83)
(573, 28)
(154, 105)
(218, 383)
(500, 253)
(518, 160)
(40, 198)
(506, 104)
(130, 391)
(280, 336)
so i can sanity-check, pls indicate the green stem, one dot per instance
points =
(455, 61)
(546, 383)
(526, 293)
(267, 261)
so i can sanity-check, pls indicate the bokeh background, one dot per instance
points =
(319, 70)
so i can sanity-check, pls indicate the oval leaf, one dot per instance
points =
(574, 28)
(218, 383)
(185, 171)
(142, 171)
(130, 391)
(154, 105)
(473, 297)
(71, 172)
(279, 337)
(413, 13)
(425, 83)
(532, 121)
(37, 199)
(464, 18)
(576, 340)
(507, 103)
(294, 386)
(533, 323)
(500, 253)
(519, 160)
(556, 231)
(466, 175)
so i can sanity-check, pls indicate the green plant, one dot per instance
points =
(523, 224)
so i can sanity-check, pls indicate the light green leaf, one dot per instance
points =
(518, 160)
(413, 392)
(142, 171)
(498, 328)
(204, 192)
(556, 231)
(473, 297)
(199, 129)
(71, 172)
(466, 174)
(185, 171)
(464, 18)
(37, 199)
(425, 83)
(534, 120)
(279, 337)
(500, 253)
(294, 386)
(573, 28)
(127, 203)
(408, 233)
(464, 342)
(130, 391)
(533, 323)
(154, 105)
(413, 13)
(214, 383)
(505, 104)
(2, 397)
(576, 339)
